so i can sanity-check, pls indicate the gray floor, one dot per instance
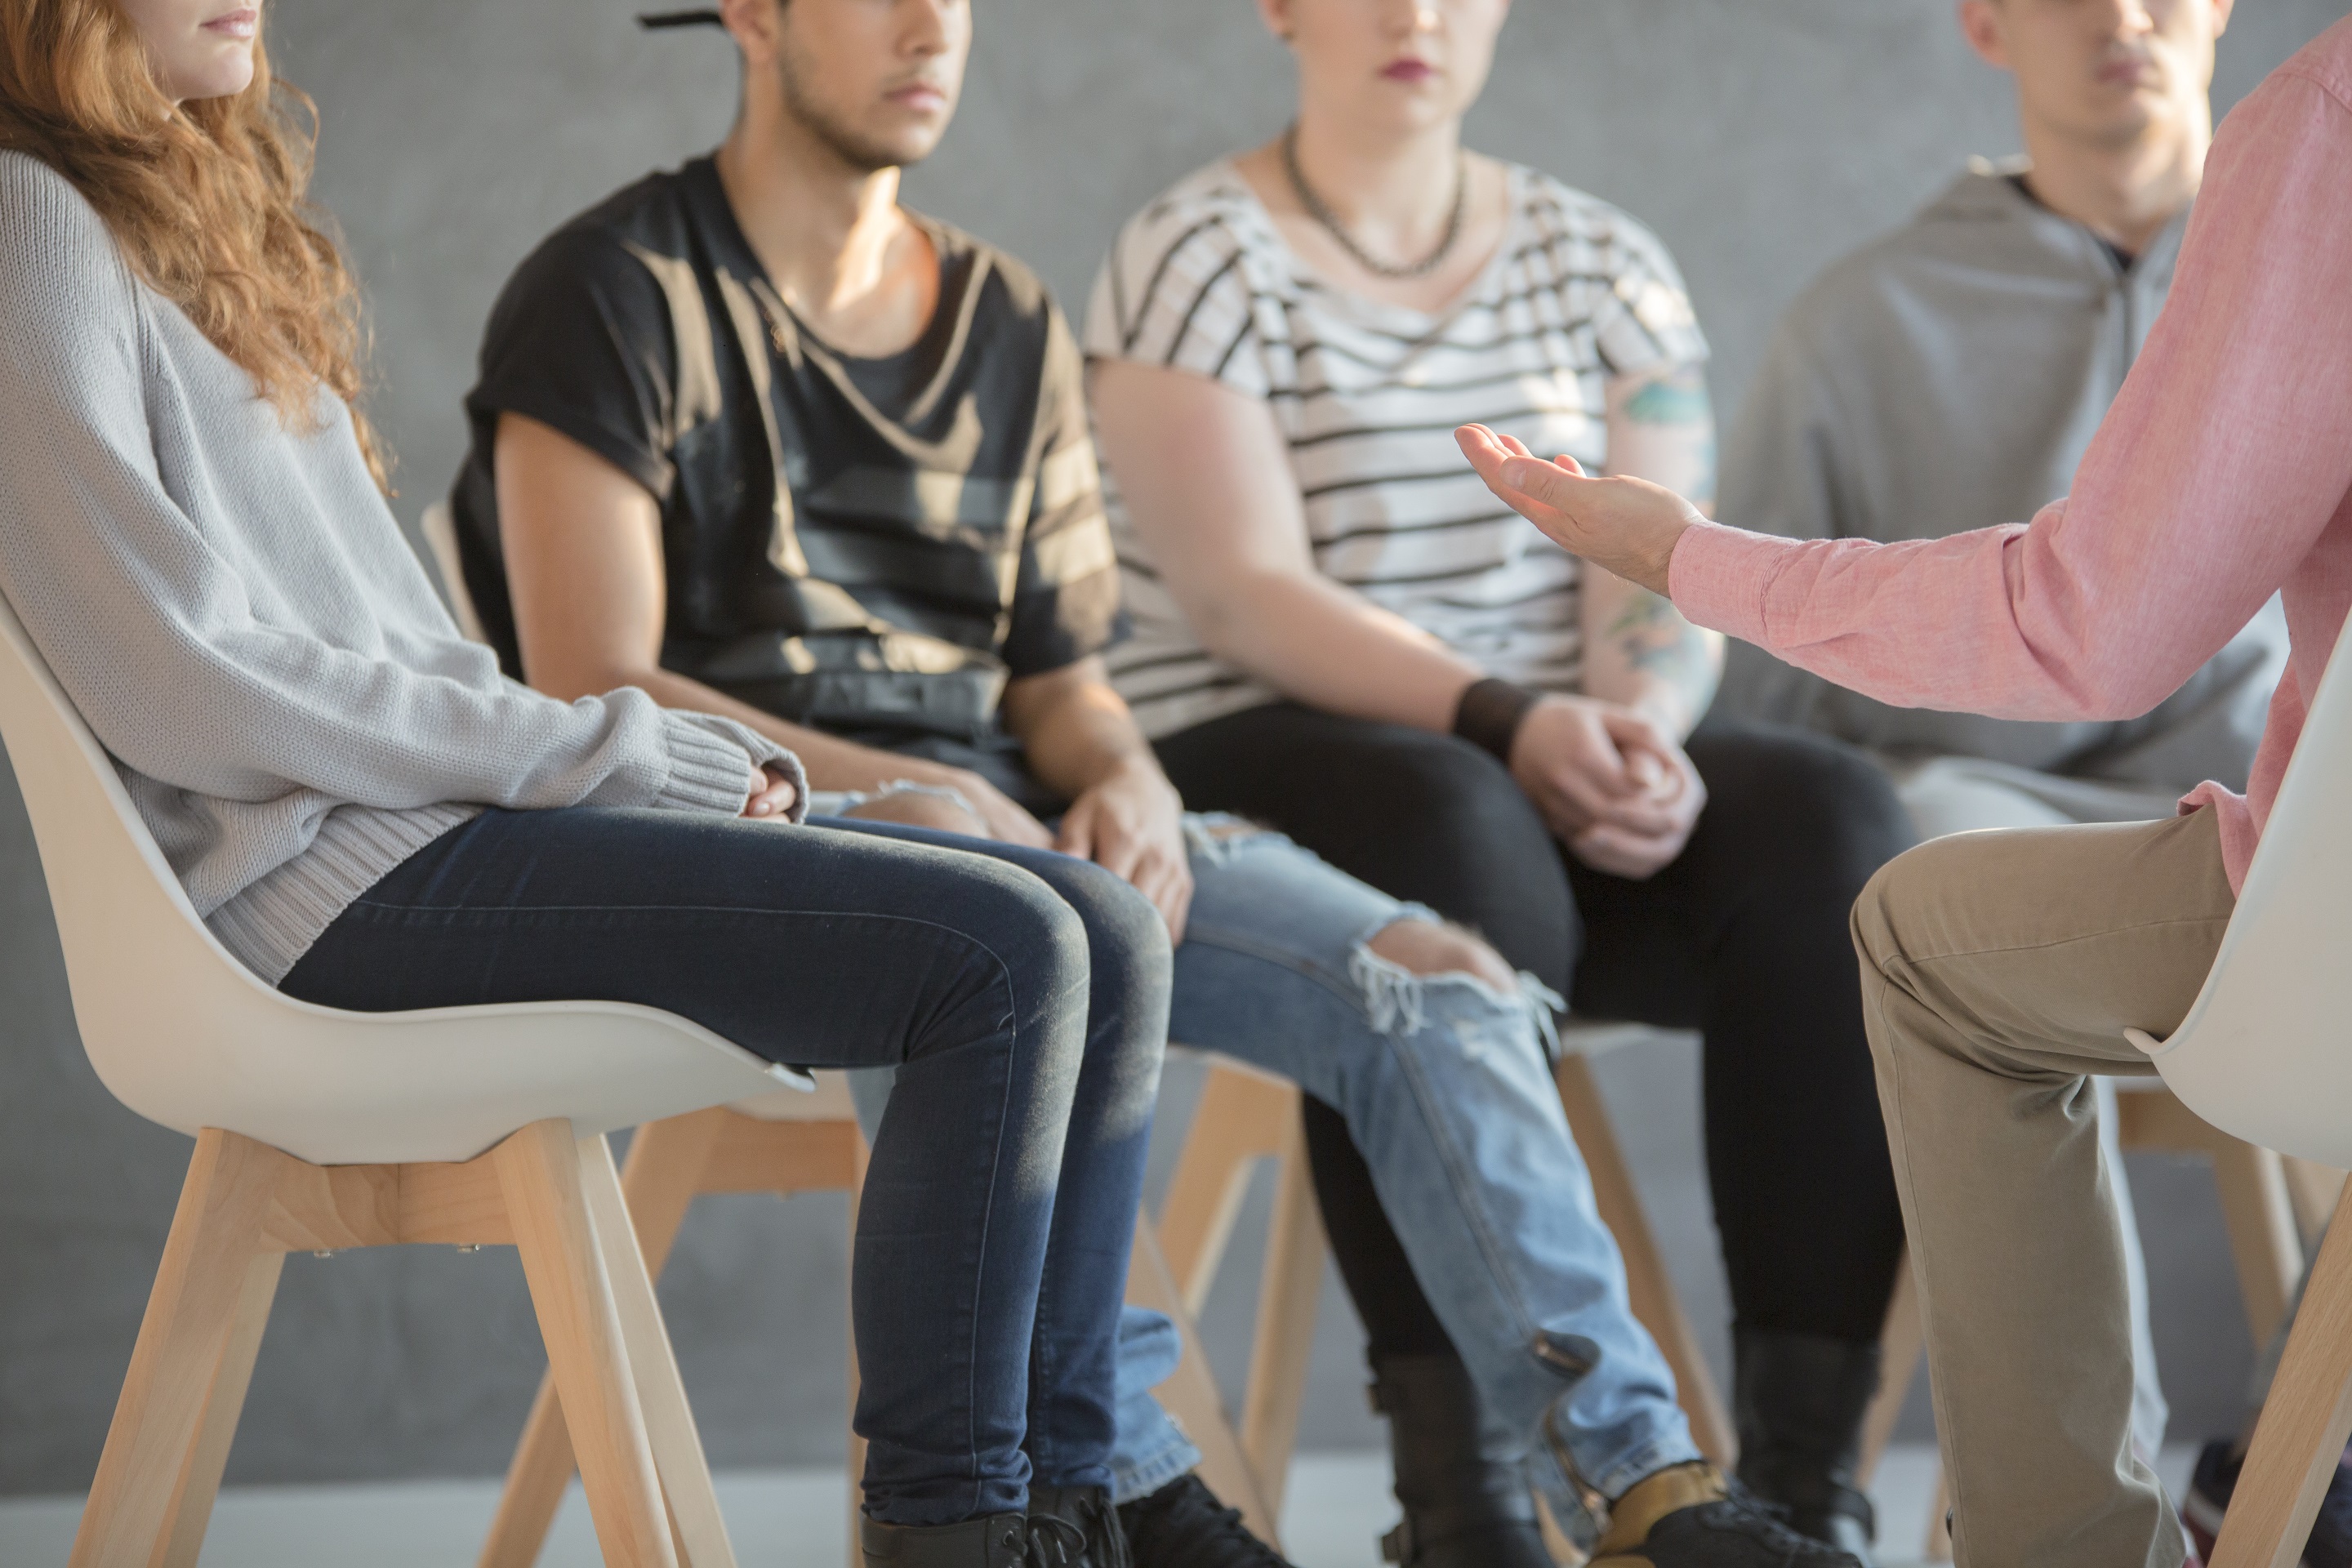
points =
(1337, 1508)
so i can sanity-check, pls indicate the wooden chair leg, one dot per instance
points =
(1288, 1294)
(2314, 1190)
(1243, 1117)
(563, 1257)
(1900, 1346)
(151, 1478)
(2299, 1440)
(664, 1168)
(1191, 1393)
(1651, 1288)
(2263, 1234)
(192, 1503)
(678, 1458)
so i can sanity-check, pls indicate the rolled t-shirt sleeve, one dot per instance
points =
(582, 340)
(1066, 599)
(1176, 291)
(1644, 319)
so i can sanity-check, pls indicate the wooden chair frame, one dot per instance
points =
(2272, 1208)
(811, 1143)
(245, 1206)
(1245, 1117)
(2305, 1422)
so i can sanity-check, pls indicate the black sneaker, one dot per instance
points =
(1074, 1527)
(1690, 1517)
(1183, 1525)
(2216, 1477)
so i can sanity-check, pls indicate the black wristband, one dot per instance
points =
(1490, 714)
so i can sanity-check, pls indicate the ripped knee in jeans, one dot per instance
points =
(1398, 964)
(1214, 835)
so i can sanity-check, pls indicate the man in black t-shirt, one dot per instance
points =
(755, 438)
(838, 529)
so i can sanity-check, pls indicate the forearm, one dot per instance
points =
(1085, 737)
(832, 764)
(1326, 646)
(1640, 653)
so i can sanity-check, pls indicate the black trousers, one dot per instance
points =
(1743, 937)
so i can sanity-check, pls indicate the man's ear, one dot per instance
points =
(1276, 14)
(756, 26)
(2222, 9)
(1983, 25)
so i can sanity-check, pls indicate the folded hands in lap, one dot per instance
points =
(1610, 782)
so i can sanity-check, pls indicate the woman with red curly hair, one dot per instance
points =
(368, 816)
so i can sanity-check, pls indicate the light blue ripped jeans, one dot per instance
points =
(1446, 1085)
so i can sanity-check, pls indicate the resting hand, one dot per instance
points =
(772, 793)
(1610, 782)
(1133, 825)
(919, 808)
(991, 813)
(1625, 526)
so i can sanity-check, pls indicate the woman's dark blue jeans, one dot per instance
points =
(1023, 996)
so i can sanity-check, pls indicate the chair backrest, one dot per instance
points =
(184, 1035)
(2265, 1053)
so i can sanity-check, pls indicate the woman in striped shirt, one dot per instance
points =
(1340, 631)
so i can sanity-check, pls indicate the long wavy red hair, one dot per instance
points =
(207, 199)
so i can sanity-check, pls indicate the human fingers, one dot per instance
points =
(1119, 848)
(1643, 816)
(1076, 834)
(1168, 883)
(1621, 853)
(1006, 819)
(773, 794)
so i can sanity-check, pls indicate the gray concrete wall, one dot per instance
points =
(1760, 137)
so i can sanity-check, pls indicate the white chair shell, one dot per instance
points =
(183, 1034)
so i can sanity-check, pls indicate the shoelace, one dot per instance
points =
(1054, 1542)
(1227, 1522)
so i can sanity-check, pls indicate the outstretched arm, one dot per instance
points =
(2226, 457)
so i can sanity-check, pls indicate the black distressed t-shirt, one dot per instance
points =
(869, 546)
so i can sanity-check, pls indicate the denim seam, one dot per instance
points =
(1473, 1213)
(1476, 1224)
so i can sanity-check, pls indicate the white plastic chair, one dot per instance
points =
(2265, 1053)
(319, 1130)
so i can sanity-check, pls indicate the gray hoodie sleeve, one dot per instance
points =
(146, 620)
(1779, 476)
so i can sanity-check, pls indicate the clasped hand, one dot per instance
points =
(1612, 784)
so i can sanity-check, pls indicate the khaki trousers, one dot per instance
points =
(1999, 970)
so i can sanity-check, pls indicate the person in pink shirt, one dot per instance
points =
(2000, 969)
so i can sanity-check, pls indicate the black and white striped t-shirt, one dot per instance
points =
(1368, 395)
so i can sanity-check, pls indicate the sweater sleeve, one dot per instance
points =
(146, 622)
(2223, 460)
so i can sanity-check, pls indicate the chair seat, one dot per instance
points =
(335, 1088)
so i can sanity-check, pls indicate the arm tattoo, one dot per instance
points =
(1655, 640)
(1677, 399)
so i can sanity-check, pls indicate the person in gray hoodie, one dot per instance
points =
(1949, 375)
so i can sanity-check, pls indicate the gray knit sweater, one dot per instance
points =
(230, 604)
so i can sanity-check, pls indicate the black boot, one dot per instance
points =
(1462, 1510)
(1799, 1402)
(997, 1541)
(1076, 1527)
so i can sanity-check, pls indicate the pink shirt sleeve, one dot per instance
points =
(2216, 472)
